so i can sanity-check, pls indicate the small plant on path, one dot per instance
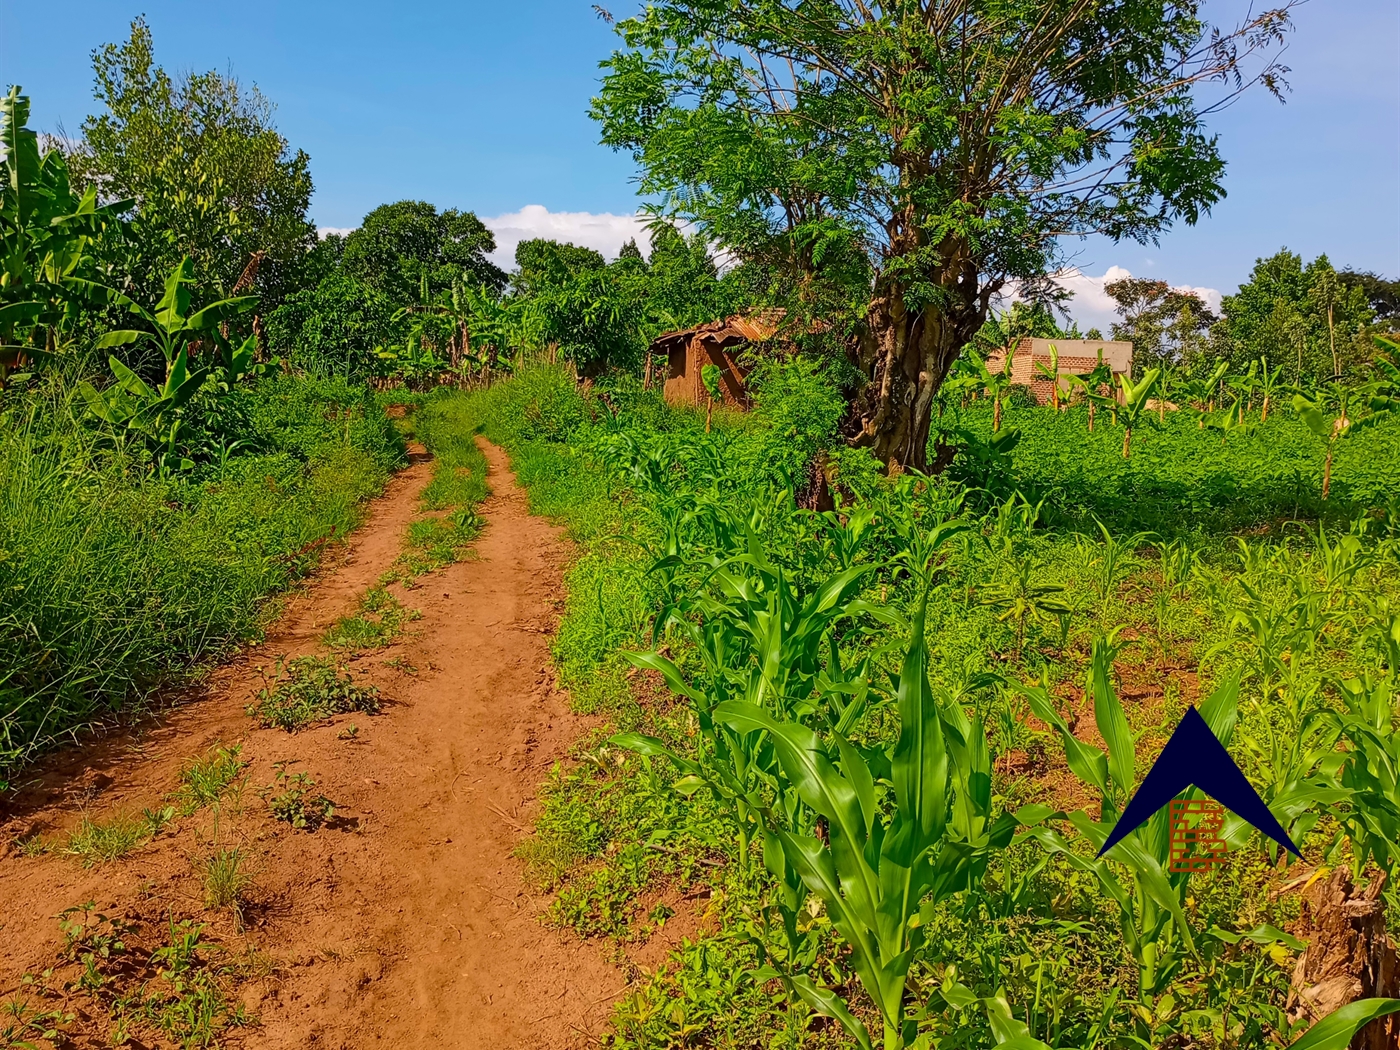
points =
(379, 620)
(308, 689)
(205, 781)
(293, 799)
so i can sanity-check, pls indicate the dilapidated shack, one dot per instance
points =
(717, 343)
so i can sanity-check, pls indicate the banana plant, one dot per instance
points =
(1244, 386)
(876, 875)
(1135, 397)
(130, 404)
(1203, 390)
(1093, 382)
(1052, 373)
(1270, 379)
(1328, 416)
(46, 233)
(1229, 420)
(996, 384)
(172, 326)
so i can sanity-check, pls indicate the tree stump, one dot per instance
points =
(1349, 957)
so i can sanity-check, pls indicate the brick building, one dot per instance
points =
(1077, 356)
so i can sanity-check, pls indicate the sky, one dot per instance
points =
(484, 107)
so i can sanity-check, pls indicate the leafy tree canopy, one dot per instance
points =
(1382, 295)
(1302, 317)
(210, 175)
(683, 280)
(1166, 325)
(334, 328)
(910, 159)
(407, 248)
(542, 264)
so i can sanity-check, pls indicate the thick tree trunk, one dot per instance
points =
(1349, 957)
(907, 355)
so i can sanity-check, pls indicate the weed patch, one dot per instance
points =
(308, 689)
(293, 799)
(225, 877)
(205, 781)
(379, 620)
(111, 839)
(117, 581)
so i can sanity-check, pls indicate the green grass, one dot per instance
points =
(107, 840)
(225, 878)
(204, 781)
(117, 582)
(378, 621)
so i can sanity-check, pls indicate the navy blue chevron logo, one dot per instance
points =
(1194, 757)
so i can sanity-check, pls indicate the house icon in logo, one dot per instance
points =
(1194, 757)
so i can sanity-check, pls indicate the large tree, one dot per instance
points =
(1166, 325)
(923, 155)
(401, 247)
(1305, 318)
(208, 172)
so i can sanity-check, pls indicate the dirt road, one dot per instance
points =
(407, 922)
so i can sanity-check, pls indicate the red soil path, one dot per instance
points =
(407, 922)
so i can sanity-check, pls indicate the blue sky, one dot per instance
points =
(483, 106)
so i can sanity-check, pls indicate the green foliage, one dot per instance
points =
(106, 840)
(691, 545)
(379, 620)
(1166, 326)
(960, 169)
(306, 690)
(225, 877)
(292, 798)
(213, 178)
(158, 415)
(542, 265)
(404, 248)
(47, 232)
(204, 781)
(117, 582)
(1301, 318)
(1182, 478)
(335, 327)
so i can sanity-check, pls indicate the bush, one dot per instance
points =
(1018, 395)
(334, 328)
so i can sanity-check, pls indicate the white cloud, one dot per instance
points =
(334, 231)
(1093, 308)
(603, 231)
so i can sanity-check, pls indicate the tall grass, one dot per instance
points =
(115, 581)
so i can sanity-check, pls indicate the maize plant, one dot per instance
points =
(905, 829)
(759, 639)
